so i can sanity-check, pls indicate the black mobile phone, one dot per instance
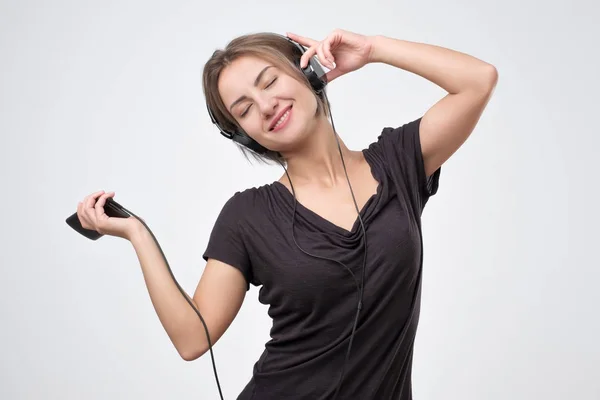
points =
(111, 208)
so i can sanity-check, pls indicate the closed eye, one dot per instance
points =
(245, 111)
(248, 108)
(270, 83)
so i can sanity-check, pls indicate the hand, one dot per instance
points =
(91, 214)
(349, 51)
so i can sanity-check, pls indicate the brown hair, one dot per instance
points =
(270, 47)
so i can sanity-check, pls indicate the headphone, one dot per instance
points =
(317, 78)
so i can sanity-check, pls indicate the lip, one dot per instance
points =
(276, 118)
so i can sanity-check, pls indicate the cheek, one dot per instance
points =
(252, 127)
(311, 101)
(311, 106)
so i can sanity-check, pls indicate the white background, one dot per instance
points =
(107, 95)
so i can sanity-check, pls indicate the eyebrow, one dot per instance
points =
(256, 82)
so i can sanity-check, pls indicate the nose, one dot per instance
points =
(267, 106)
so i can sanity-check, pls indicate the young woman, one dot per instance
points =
(334, 244)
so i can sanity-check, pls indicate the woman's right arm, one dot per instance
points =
(218, 298)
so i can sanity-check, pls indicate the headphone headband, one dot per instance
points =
(317, 78)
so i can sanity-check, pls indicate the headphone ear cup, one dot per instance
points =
(316, 75)
(238, 137)
(317, 78)
(248, 142)
(314, 72)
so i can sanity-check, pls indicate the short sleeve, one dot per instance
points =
(226, 242)
(401, 150)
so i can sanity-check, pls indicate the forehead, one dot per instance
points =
(239, 75)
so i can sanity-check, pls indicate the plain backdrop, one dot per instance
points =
(107, 95)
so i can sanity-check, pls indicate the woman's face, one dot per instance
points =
(271, 106)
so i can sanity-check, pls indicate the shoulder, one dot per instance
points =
(243, 203)
(402, 136)
(396, 141)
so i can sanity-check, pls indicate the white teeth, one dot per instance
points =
(283, 117)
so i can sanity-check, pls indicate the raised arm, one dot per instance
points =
(469, 82)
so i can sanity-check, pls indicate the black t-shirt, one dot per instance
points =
(313, 302)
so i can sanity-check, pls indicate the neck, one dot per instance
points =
(318, 161)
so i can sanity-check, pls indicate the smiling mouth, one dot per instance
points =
(282, 120)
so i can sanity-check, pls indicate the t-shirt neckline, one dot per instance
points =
(318, 219)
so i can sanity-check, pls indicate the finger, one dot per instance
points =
(308, 42)
(83, 220)
(323, 57)
(307, 55)
(85, 199)
(88, 207)
(99, 207)
(100, 217)
(95, 194)
(328, 54)
(91, 199)
(79, 211)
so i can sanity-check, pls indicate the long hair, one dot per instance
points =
(270, 47)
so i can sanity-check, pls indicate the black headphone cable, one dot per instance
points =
(186, 298)
(361, 288)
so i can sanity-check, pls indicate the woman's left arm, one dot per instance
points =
(469, 82)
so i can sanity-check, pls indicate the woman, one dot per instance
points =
(343, 289)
